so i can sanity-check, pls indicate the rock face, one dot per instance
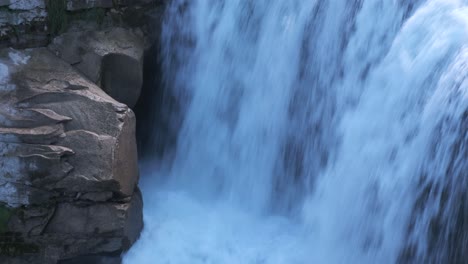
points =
(111, 58)
(33, 23)
(23, 22)
(104, 39)
(73, 5)
(68, 164)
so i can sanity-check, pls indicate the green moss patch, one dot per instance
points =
(94, 15)
(5, 214)
(57, 18)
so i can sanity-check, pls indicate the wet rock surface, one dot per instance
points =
(68, 164)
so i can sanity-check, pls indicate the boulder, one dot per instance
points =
(111, 58)
(68, 164)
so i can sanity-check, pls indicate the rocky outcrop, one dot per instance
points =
(111, 58)
(23, 23)
(105, 40)
(68, 164)
(33, 23)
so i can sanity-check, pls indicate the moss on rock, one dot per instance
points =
(5, 214)
(12, 245)
(57, 18)
(93, 14)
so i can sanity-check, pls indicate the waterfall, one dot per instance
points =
(312, 132)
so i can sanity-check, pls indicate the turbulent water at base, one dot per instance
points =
(329, 131)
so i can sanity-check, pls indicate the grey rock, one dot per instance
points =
(68, 163)
(111, 58)
(4, 2)
(74, 5)
(26, 4)
(97, 196)
(72, 111)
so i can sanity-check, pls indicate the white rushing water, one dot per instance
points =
(310, 129)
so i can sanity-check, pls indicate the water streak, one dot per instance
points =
(313, 132)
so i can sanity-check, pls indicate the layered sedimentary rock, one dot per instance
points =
(68, 164)
(33, 23)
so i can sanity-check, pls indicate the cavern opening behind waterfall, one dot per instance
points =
(312, 132)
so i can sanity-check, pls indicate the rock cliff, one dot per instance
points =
(68, 153)
(68, 163)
